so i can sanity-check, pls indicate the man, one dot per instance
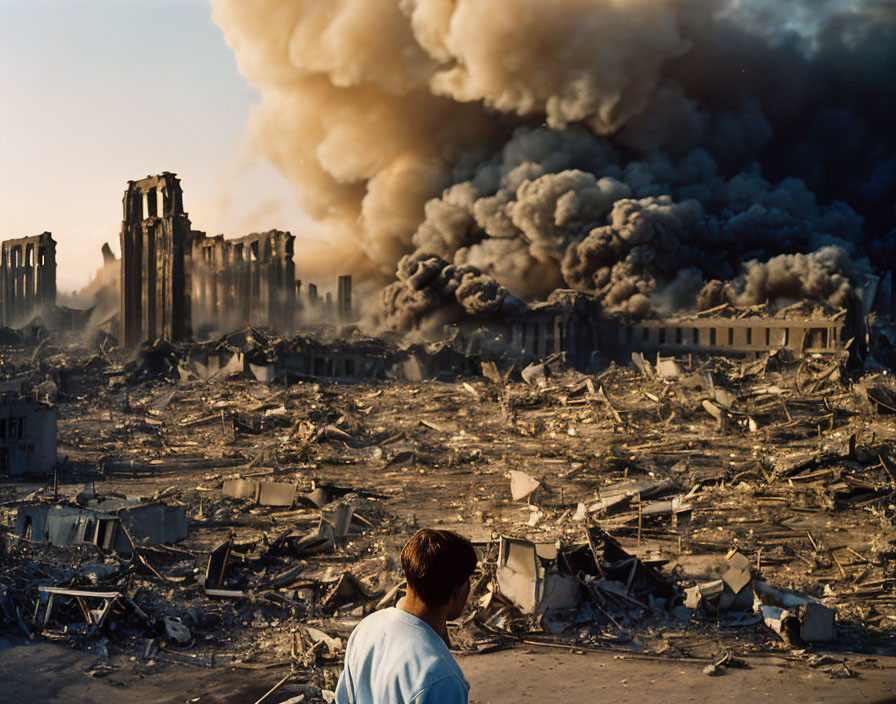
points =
(400, 655)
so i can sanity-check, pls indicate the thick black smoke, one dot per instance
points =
(662, 155)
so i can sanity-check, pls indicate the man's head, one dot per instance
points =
(437, 565)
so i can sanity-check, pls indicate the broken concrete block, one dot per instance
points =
(774, 617)
(711, 594)
(522, 485)
(318, 497)
(817, 623)
(535, 375)
(668, 369)
(519, 574)
(323, 539)
(784, 598)
(724, 398)
(737, 575)
(177, 631)
(339, 515)
(276, 493)
(240, 488)
(692, 597)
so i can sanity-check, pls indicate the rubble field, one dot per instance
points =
(686, 509)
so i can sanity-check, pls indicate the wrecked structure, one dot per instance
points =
(572, 323)
(27, 277)
(27, 436)
(110, 525)
(726, 336)
(175, 280)
(155, 233)
(249, 281)
(256, 505)
(739, 501)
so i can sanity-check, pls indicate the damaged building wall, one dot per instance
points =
(574, 324)
(27, 277)
(299, 357)
(154, 280)
(541, 333)
(152, 523)
(175, 279)
(27, 437)
(242, 282)
(723, 336)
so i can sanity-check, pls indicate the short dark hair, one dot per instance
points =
(436, 562)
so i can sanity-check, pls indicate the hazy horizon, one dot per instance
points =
(99, 92)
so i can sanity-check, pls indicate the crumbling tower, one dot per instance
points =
(344, 299)
(154, 281)
(27, 277)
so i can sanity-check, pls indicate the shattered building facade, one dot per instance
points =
(727, 336)
(154, 234)
(249, 281)
(27, 277)
(175, 279)
(27, 437)
(573, 323)
(101, 524)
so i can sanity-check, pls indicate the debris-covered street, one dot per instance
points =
(448, 352)
(703, 513)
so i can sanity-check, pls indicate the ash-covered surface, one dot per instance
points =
(639, 489)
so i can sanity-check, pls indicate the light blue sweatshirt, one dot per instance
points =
(393, 657)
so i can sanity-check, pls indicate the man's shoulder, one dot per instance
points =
(406, 639)
(378, 620)
(450, 688)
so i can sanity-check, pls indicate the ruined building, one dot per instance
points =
(27, 436)
(728, 336)
(245, 281)
(27, 277)
(154, 234)
(175, 280)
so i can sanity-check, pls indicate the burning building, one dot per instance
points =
(649, 154)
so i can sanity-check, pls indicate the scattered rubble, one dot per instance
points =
(230, 517)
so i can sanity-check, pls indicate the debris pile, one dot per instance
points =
(662, 507)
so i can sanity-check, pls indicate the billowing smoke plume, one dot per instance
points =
(662, 155)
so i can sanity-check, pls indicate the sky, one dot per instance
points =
(99, 92)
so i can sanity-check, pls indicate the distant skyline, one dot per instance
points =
(97, 92)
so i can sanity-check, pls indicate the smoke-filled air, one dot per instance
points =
(471, 156)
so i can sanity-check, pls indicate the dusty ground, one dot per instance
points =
(796, 474)
(49, 674)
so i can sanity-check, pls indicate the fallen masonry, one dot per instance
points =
(222, 504)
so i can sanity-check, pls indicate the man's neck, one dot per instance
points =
(436, 618)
